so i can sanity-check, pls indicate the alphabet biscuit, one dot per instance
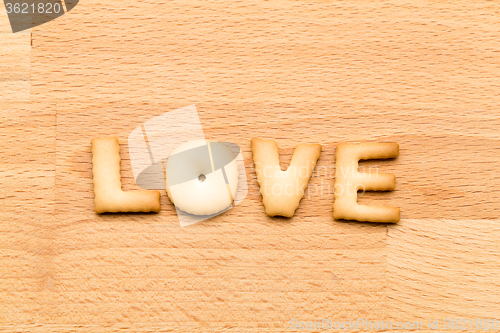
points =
(282, 190)
(109, 196)
(196, 181)
(348, 181)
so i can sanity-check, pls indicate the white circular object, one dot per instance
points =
(192, 184)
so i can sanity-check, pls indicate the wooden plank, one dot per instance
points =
(15, 67)
(25, 267)
(27, 142)
(15, 62)
(27, 133)
(354, 55)
(27, 178)
(443, 269)
(148, 328)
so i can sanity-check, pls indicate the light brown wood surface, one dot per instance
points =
(15, 62)
(423, 74)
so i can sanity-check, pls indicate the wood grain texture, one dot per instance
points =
(27, 179)
(423, 74)
(458, 283)
(15, 67)
(352, 54)
(15, 62)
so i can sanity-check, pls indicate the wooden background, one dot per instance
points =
(423, 74)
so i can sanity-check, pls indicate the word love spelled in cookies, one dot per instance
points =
(213, 190)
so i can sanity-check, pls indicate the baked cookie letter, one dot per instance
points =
(202, 177)
(348, 181)
(109, 196)
(282, 190)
